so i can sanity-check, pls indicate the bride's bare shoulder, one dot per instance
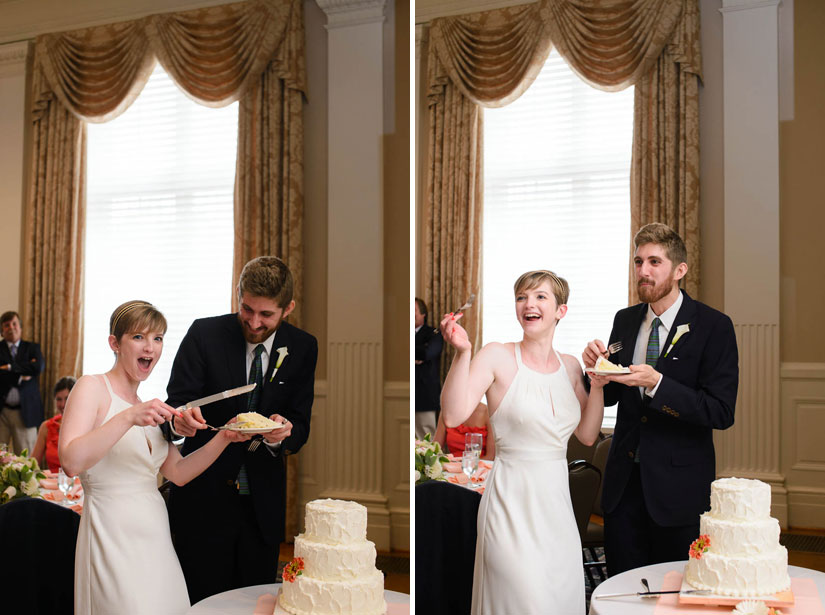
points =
(497, 350)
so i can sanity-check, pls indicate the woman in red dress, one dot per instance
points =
(451, 439)
(45, 449)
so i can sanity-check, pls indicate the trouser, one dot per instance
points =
(424, 423)
(633, 539)
(232, 554)
(13, 428)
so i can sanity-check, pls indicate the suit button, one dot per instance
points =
(630, 454)
(644, 419)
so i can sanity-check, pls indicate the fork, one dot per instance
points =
(253, 446)
(467, 304)
(614, 348)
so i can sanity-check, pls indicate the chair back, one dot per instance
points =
(576, 450)
(39, 540)
(585, 479)
(445, 542)
(600, 461)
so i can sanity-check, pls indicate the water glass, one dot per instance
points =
(65, 484)
(474, 440)
(469, 461)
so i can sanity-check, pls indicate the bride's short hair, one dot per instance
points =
(534, 279)
(136, 317)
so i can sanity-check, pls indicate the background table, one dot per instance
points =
(630, 582)
(242, 601)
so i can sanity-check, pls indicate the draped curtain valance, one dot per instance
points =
(494, 56)
(213, 54)
(489, 59)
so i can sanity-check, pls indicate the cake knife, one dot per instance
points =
(692, 592)
(218, 396)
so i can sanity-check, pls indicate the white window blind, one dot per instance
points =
(159, 222)
(557, 196)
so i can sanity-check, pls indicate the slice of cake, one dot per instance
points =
(738, 552)
(334, 567)
(253, 420)
(603, 365)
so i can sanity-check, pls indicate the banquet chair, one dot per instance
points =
(594, 535)
(39, 539)
(585, 479)
(576, 450)
(445, 540)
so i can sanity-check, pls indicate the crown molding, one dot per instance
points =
(12, 55)
(343, 13)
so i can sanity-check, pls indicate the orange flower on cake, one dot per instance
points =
(293, 569)
(699, 546)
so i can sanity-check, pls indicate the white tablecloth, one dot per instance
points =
(242, 601)
(630, 582)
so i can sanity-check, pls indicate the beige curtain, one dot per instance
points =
(491, 58)
(252, 52)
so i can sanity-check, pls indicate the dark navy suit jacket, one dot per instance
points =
(28, 362)
(673, 431)
(211, 358)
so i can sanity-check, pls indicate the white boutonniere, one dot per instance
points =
(282, 352)
(680, 331)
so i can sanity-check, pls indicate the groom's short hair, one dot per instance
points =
(267, 276)
(662, 235)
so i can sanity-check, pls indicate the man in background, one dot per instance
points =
(21, 363)
(428, 345)
(228, 523)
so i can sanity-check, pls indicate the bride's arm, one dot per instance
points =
(592, 405)
(180, 470)
(83, 440)
(467, 380)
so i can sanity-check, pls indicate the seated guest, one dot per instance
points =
(45, 449)
(451, 439)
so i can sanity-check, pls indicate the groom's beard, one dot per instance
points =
(651, 294)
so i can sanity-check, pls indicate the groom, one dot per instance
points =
(684, 377)
(228, 522)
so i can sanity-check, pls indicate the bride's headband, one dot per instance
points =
(128, 307)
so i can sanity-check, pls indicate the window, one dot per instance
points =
(557, 196)
(159, 221)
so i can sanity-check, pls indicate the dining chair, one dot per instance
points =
(38, 539)
(594, 535)
(445, 541)
(576, 450)
(585, 479)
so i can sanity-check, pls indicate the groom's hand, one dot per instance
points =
(639, 376)
(592, 352)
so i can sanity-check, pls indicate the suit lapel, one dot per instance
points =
(281, 340)
(629, 335)
(683, 316)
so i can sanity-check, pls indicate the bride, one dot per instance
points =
(124, 560)
(528, 552)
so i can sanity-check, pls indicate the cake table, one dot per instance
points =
(630, 581)
(242, 601)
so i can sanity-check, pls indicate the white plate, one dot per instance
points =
(624, 370)
(254, 430)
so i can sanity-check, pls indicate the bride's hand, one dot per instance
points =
(596, 381)
(152, 412)
(234, 436)
(454, 333)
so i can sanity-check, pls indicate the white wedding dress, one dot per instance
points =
(528, 551)
(124, 561)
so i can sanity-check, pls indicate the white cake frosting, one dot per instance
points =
(339, 574)
(744, 557)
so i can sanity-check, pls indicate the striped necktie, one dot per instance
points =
(652, 355)
(256, 376)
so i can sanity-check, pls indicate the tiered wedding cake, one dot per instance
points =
(339, 573)
(738, 552)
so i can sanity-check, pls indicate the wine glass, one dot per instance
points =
(469, 463)
(65, 484)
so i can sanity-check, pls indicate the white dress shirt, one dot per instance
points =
(666, 319)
